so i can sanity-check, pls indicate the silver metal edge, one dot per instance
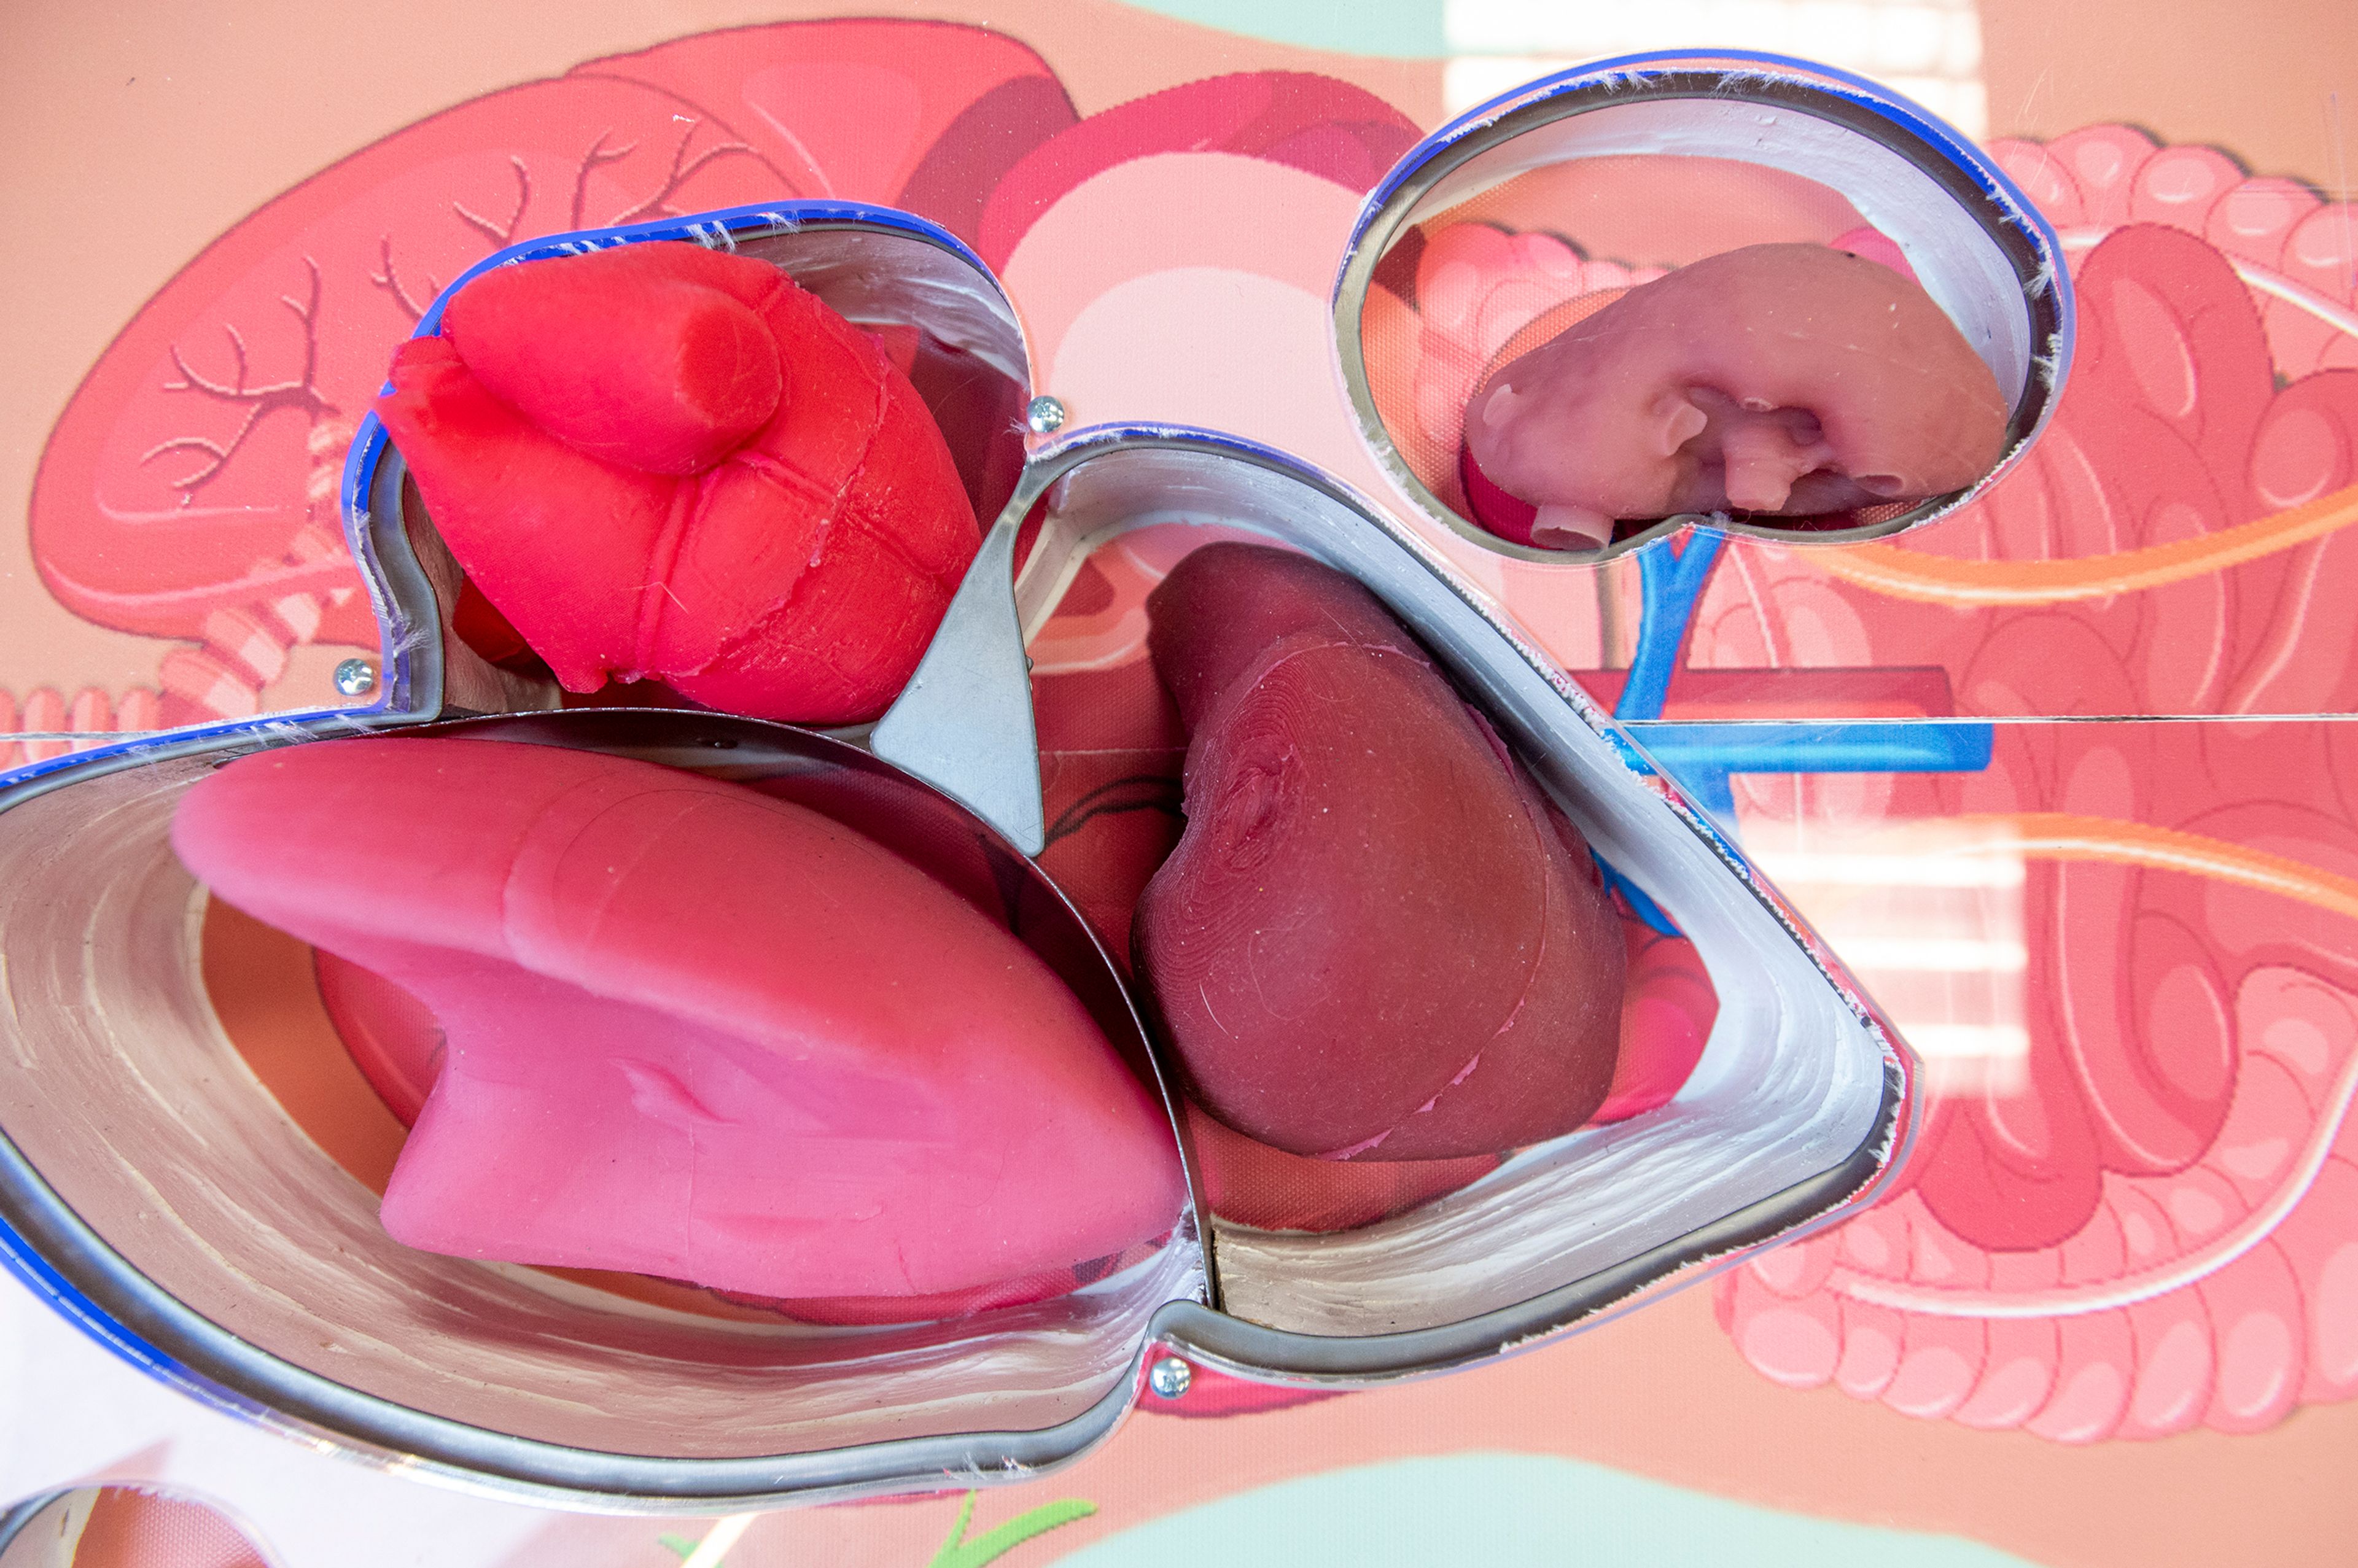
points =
(1252, 1351)
(66, 1263)
(2013, 225)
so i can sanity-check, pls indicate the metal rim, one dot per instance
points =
(48, 1246)
(370, 489)
(1943, 155)
(1250, 1350)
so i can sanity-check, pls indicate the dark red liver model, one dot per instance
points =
(660, 461)
(1778, 381)
(1377, 939)
(692, 1031)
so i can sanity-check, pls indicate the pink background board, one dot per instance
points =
(2133, 966)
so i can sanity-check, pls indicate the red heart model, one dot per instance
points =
(660, 461)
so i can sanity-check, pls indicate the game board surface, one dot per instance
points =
(2069, 779)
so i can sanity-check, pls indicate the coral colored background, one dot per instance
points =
(2181, 1024)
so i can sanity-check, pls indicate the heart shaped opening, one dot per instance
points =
(1748, 1098)
(192, 1154)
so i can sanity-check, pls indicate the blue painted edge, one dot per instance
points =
(1916, 123)
(398, 688)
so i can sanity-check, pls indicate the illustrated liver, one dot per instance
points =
(188, 490)
(1376, 939)
(692, 1031)
(1776, 381)
(661, 462)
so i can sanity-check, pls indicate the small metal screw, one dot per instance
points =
(356, 677)
(1169, 1378)
(1044, 414)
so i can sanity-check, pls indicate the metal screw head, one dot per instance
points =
(1169, 1378)
(356, 677)
(1044, 414)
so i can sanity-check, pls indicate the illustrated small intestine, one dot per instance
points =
(2296, 249)
(2159, 1229)
(2110, 1332)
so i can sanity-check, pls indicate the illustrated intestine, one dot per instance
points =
(2156, 1230)
(2155, 1226)
(2159, 1229)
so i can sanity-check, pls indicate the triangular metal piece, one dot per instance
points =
(964, 724)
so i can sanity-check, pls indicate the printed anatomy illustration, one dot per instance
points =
(2146, 1217)
(188, 490)
(2182, 1240)
(2155, 1226)
(2147, 1220)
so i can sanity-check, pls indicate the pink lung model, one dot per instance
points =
(692, 1031)
(1775, 380)
(1377, 939)
(659, 461)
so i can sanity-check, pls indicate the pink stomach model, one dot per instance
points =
(1376, 939)
(692, 1031)
(661, 461)
(1779, 381)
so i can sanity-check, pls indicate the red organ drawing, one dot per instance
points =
(189, 491)
(2159, 1229)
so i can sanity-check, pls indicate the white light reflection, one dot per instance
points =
(1895, 870)
(1929, 918)
(1937, 955)
(1929, 51)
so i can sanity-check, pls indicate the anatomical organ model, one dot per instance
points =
(661, 462)
(2185, 1236)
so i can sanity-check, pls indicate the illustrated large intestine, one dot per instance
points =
(188, 492)
(2150, 1222)
(2176, 540)
(2159, 1228)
